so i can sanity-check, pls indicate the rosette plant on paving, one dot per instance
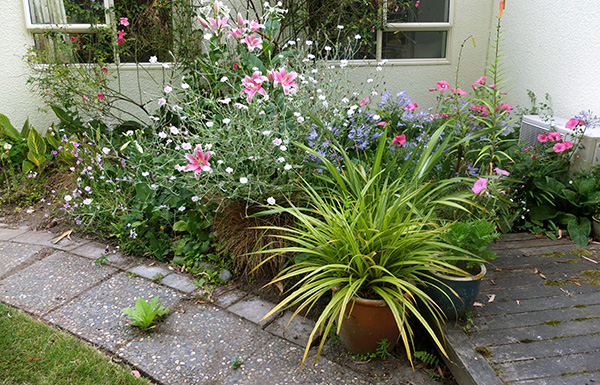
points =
(368, 235)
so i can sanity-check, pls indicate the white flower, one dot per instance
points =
(340, 27)
(224, 79)
(322, 97)
(229, 170)
(281, 159)
(209, 124)
(225, 101)
(343, 63)
(271, 201)
(220, 161)
(357, 36)
(327, 48)
(185, 86)
(226, 120)
(287, 167)
(243, 180)
(87, 201)
(265, 133)
(7, 146)
(309, 42)
(106, 150)
(145, 173)
(241, 106)
(161, 101)
(153, 59)
(168, 89)
(174, 130)
(181, 208)
(277, 141)
(206, 168)
(376, 117)
(379, 68)
(345, 100)
(186, 146)
(129, 133)
(166, 65)
(162, 134)
(300, 119)
(68, 198)
(195, 198)
(283, 148)
(208, 146)
(296, 114)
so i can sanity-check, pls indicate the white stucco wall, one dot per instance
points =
(470, 18)
(553, 47)
(16, 100)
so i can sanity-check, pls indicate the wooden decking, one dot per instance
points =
(541, 320)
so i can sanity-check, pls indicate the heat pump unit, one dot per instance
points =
(587, 153)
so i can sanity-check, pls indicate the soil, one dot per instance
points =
(42, 216)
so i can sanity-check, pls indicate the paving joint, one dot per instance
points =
(38, 256)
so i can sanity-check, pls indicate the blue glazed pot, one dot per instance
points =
(454, 295)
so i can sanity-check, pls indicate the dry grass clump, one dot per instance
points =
(236, 228)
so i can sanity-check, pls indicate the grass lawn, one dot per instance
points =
(33, 353)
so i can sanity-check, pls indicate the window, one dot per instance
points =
(415, 32)
(384, 30)
(90, 30)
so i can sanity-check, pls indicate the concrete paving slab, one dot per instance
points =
(91, 250)
(195, 345)
(254, 309)
(97, 314)
(150, 271)
(50, 282)
(224, 296)
(13, 254)
(48, 239)
(297, 331)
(179, 282)
(8, 234)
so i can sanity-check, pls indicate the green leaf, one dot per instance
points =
(542, 213)
(8, 128)
(180, 226)
(27, 166)
(37, 148)
(62, 115)
(142, 191)
(579, 231)
(52, 140)
(25, 129)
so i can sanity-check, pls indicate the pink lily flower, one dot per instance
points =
(253, 85)
(285, 79)
(217, 24)
(253, 42)
(198, 161)
(235, 33)
(255, 25)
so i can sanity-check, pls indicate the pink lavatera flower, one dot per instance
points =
(198, 161)
(480, 185)
(124, 21)
(501, 172)
(568, 145)
(572, 123)
(411, 106)
(399, 139)
(554, 136)
(459, 91)
(542, 138)
(253, 85)
(442, 85)
(253, 42)
(283, 78)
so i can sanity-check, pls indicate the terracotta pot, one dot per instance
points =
(467, 289)
(370, 322)
(596, 227)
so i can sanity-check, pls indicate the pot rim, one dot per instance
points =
(463, 279)
(596, 218)
(365, 301)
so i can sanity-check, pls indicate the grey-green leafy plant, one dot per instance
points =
(474, 236)
(368, 235)
(145, 314)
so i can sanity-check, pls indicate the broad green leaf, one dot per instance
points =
(37, 148)
(25, 129)
(180, 226)
(8, 128)
(27, 166)
(579, 231)
(542, 213)
(142, 191)
(52, 140)
(62, 115)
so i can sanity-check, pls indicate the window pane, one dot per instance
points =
(67, 11)
(58, 47)
(428, 11)
(413, 45)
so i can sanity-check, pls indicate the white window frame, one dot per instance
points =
(74, 28)
(410, 27)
